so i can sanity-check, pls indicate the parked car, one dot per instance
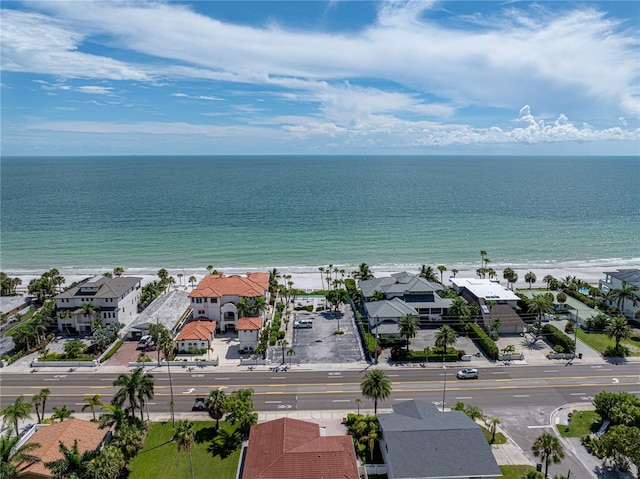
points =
(145, 342)
(303, 323)
(468, 373)
(199, 404)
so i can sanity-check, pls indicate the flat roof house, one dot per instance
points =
(170, 310)
(217, 295)
(289, 448)
(420, 442)
(115, 300)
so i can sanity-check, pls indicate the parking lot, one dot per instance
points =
(319, 344)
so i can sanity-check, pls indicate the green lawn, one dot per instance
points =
(515, 472)
(498, 439)
(600, 341)
(582, 424)
(159, 458)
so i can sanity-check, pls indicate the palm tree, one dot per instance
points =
(180, 275)
(459, 309)
(445, 337)
(192, 280)
(108, 464)
(92, 402)
(18, 411)
(129, 438)
(118, 271)
(493, 427)
(442, 268)
(510, 275)
(135, 388)
(548, 279)
(168, 347)
(72, 464)
(454, 271)
(363, 273)
(291, 353)
(548, 448)
(91, 312)
(530, 278)
(185, 437)
(258, 306)
(12, 456)
(540, 305)
(376, 386)
(619, 329)
(625, 292)
(210, 268)
(163, 274)
(61, 413)
(243, 307)
(358, 402)
(215, 405)
(274, 276)
(409, 327)
(427, 273)
(283, 343)
(43, 395)
(117, 416)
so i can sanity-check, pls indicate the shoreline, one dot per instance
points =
(307, 279)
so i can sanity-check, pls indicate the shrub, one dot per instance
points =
(484, 341)
(558, 348)
(558, 338)
(620, 352)
(112, 351)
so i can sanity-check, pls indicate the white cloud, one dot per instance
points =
(95, 90)
(198, 97)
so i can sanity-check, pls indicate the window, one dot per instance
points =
(214, 300)
(201, 311)
(199, 300)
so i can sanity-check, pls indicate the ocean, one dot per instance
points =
(300, 212)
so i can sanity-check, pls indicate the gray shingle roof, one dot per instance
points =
(423, 442)
(395, 308)
(398, 283)
(106, 287)
(629, 276)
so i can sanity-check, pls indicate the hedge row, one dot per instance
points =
(113, 351)
(484, 341)
(558, 338)
(275, 333)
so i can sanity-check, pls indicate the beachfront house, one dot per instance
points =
(217, 297)
(114, 300)
(89, 435)
(615, 280)
(416, 292)
(288, 448)
(196, 336)
(495, 302)
(419, 441)
(384, 317)
(248, 334)
(170, 310)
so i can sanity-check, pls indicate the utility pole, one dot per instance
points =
(444, 387)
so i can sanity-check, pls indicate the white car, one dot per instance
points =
(468, 373)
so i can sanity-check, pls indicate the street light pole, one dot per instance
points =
(444, 387)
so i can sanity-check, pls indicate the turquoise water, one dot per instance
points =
(302, 212)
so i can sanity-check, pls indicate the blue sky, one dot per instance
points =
(303, 77)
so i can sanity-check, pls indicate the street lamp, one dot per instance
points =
(444, 387)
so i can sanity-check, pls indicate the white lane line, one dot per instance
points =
(56, 379)
(392, 375)
(273, 402)
(500, 372)
(538, 427)
(221, 379)
(578, 394)
(521, 396)
(105, 379)
(464, 397)
(341, 400)
(403, 399)
(550, 371)
(278, 377)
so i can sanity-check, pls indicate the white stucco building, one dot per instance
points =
(114, 300)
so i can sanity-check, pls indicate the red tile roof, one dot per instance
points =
(290, 449)
(88, 434)
(197, 329)
(218, 285)
(247, 324)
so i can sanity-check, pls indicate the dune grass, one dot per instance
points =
(160, 459)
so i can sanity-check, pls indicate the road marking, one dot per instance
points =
(550, 371)
(520, 395)
(538, 427)
(399, 399)
(464, 397)
(578, 394)
(47, 379)
(392, 375)
(104, 379)
(335, 374)
(278, 377)
(634, 392)
(502, 372)
(189, 391)
(273, 402)
(341, 400)
(221, 379)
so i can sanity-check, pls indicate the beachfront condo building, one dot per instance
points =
(108, 300)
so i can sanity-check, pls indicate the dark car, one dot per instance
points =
(199, 404)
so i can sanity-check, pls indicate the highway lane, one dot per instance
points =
(319, 390)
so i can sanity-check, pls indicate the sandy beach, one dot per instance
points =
(311, 280)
